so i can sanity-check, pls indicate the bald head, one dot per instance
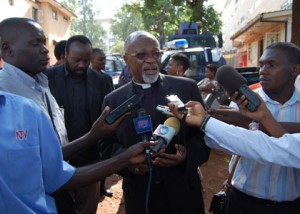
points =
(11, 29)
(143, 55)
(133, 37)
(23, 45)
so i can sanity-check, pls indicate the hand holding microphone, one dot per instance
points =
(169, 160)
(260, 114)
(165, 133)
(143, 128)
(232, 81)
(195, 116)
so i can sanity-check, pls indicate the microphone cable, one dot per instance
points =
(182, 135)
(149, 161)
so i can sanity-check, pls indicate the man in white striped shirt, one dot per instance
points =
(259, 185)
(270, 188)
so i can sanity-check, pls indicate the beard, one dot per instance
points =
(79, 72)
(150, 78)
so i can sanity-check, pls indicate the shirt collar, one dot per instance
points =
(294, 98)
(148, 85)
(40, 78)
(143, 85)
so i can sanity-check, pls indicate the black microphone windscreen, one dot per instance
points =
(141, 112)
(230, 79)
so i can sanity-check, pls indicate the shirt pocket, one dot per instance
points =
(25, 172)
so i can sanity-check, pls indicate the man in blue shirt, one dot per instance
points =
(25, 58)
(31, 161)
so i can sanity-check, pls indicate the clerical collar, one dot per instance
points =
(144, 85)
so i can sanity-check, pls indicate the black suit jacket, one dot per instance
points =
(174, 188)
(97, 88)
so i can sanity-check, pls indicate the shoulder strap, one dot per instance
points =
(51, 116)
(228, 183)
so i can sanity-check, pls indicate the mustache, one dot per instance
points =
(80, 70)
(153, 65)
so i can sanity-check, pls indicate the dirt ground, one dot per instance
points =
(214, 173)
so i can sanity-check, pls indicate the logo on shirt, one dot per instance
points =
(21, 134)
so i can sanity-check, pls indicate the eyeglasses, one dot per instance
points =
(144, 56)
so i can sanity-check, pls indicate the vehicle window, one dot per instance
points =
(203, 42)
(114, 64)
(197, 65)
(109, 66)
(119, 65)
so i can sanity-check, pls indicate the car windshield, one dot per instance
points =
(114, 64)
(197, 64)
(204, 41)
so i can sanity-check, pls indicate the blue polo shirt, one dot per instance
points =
(31, 163)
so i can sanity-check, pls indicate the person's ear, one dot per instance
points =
(296, 70)
(125, 57)
(181, 68)
(6, 49)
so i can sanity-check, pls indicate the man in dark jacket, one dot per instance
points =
(176, 186)
(79, 91)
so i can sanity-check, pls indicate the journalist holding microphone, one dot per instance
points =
(267, 176)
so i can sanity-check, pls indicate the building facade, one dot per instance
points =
(52, 16)
(251, 25)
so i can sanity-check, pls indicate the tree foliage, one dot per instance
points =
(118, 47)
(86, 24)
(163, 17)
(126, 22)
(160, 17)
(211, 20)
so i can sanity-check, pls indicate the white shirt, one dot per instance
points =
(270, 181)
(255, 145)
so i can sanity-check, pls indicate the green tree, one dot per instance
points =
(158, 17)
(125, 23)
(86, 23)
(118, 47)
(211, 20)
(163, 17)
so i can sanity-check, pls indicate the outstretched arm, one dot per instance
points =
(262, 114)
(92, 173)
(254, 145)
(99, 130)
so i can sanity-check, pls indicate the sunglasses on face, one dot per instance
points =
(144, 56)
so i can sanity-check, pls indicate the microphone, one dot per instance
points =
(142, 124)
(211, 102)
(232, 81)
(143, 127)
(126, 106)
(164, 133)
